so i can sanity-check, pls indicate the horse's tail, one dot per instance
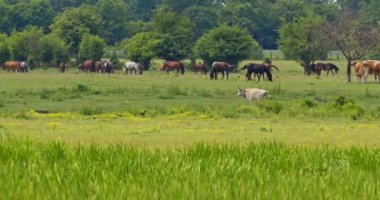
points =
(244, 67)
(274, 67)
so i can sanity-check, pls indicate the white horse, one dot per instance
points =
(24, 67)
(133, 66)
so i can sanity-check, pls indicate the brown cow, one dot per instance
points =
(373, 68)
(361, 72)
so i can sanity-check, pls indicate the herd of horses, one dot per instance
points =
(260, 71)
(16, 66)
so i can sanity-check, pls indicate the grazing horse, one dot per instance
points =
(131, 67)
(23, 67)
(200, 68)
(258, 70)
(219, 67)
(108, 67)
(87, 66)
(62, 67)
(99, 66)
(326, 67)
(12, 66)
(173, 65)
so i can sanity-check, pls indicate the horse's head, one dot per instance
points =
(212, 75)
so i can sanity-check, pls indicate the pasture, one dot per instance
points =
(161, 135)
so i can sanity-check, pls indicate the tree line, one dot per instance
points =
(49, 31)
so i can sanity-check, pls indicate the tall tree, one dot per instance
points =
(25, 45)
(177, 35)
(5, 53)
(53, 50)
(142, 47)
(225, 43)
(115, 16)
(352, 37)
(74, 23)
(303, 40)
(32, 13)
(91, 47)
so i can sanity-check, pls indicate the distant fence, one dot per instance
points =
(278, 55)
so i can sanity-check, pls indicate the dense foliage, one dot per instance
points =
(178, 23)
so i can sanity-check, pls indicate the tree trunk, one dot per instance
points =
(349, 62)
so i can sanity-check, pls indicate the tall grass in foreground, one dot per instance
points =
(32, 170)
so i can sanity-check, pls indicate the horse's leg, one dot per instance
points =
(227, 74)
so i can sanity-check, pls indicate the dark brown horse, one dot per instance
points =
(222, 67)
(199, 67)
(87, 66)
(173, 65)
(62, 67)
(258, 70)
(326, 67)
(99, 66)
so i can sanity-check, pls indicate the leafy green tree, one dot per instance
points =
(177, 35)
(5, 18)
(74, 23)
(143, 47)
(203, 17)
(32, 13)
(143, 9)
(303, 40)
(53, 50)
(25, 45)
(352, 37)
(91, 47)
(115, 16)
(5, 53)
(225, 43)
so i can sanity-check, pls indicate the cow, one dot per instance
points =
(373, 68)
(361, 71)
(253, 94)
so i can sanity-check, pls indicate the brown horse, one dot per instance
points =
(12, 66)
(200, 68)
(62, 67)
(87, 66)
(99, 66)
(219, 67)
(326, 67)
(173, 65)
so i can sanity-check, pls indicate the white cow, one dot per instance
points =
(253, 94)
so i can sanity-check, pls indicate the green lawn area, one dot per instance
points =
(160, 110)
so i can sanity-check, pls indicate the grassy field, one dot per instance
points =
(159, 136)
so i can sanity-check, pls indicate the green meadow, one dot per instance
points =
(169, 136)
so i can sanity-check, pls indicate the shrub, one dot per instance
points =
(307, 103)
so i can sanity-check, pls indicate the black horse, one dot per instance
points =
(258, 70)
